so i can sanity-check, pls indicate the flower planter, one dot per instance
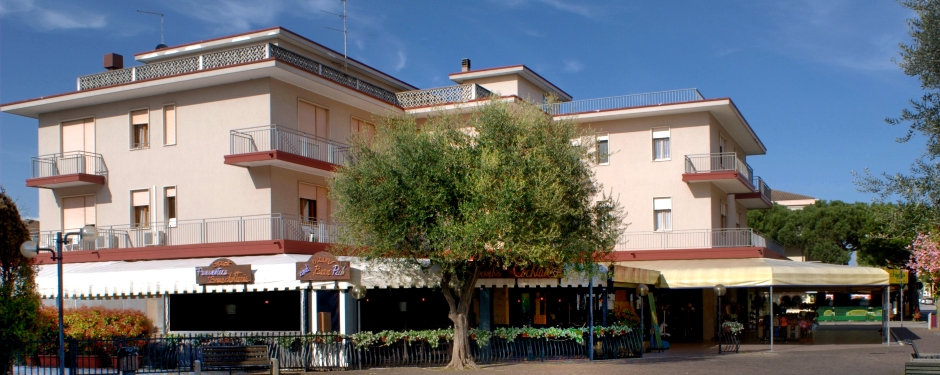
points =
(88, 361)
(32, 360)
(48, 360)
(524, 335)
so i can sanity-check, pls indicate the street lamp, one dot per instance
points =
(359, 292)
(31, 249)
(719, 291)
(641, 291)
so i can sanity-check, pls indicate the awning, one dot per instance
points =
(753, 272)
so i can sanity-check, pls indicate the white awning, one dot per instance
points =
(754, 272)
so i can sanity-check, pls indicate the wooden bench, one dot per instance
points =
(236, 357)
(921, 363)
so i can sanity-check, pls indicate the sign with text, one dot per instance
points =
(522, 273)
(323, 266)
(896, 276)
(223, 271)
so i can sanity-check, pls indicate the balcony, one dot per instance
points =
(695, 244)
(757, 200)
(277, 146)
(243, 235)
(67, 169)
(624, 101)
(725, 170)
(442, 95)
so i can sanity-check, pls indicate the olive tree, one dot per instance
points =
(501, 186)
(19, 303)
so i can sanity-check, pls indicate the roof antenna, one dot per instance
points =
(161, 45)
(343, 16)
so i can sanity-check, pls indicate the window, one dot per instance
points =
(603, 150)
(77, 212)
(724, 214)
(737, 223)
(662, 214)
(314, 204)
(362, 129)
(169, 204)
(312, 119)
(140, 201)
(169, 125)
(140, 129)
(77, 136)
(661, 144)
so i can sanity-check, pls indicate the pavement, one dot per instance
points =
(835, 348)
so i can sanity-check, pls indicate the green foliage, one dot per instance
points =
(19, 303)
(829, 231)
(94, 323)
(920, 58)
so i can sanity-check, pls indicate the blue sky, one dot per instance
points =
(815, 79)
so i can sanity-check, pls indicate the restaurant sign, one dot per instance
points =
(323, 266)
(224, 271)
(522, 273)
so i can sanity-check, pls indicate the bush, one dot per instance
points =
(95, 323)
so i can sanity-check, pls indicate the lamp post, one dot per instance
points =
(359, 292)
(641, 291)
(719, 291)
(31, 249)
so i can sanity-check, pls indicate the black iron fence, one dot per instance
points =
(178, 353)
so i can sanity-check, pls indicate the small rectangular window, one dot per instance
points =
(603, 150)
(661, 144)
(169, 125)
(169, 204)
(724, 215)
(662, 214)
(140, 200)
(140, 129)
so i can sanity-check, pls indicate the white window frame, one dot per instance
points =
(171, 222)
(133, 210)
(661, 133)
(667, 224)
(132, 132)
(597, 141)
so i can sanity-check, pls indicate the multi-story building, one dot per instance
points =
(223, 148)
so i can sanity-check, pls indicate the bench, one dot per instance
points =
(921, 363)
(237, 357)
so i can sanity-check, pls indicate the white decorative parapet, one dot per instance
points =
(442, 95)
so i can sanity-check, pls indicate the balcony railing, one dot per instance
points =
(727, 161)
(274, 137)
(72, 162)
(695, 239)
(624, 101)
(204, 231)
(229, 57)
(761, 186)
(442, 95)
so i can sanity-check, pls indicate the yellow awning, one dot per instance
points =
(752, 272)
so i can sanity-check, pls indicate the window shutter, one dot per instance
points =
(307, 117)
(307, 191)
(140, 117)
(73, 213)
(140, 198)
(322, 123)
(660, 133)
(170, 192)
(662, 203)
(73, 136)
(322, 203)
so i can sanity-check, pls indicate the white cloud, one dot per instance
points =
(402, 60)
(569, 6)
(229, 16)
(573, 66)
(15, 6)
(534, 33)
(63, 16)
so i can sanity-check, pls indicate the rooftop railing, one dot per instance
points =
(442, 95)
(718, 162)
(230, 57)
(202, 231)
(274, 137)
(624, 101)
(695, 239)
(71, 162)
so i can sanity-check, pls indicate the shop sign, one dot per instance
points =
(523, 273)
(323, 266)
(896, 276)
(224, 271)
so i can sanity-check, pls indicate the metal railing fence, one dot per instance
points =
(623, 101)
(761, 186)
(203, 231)
(717, 162)
(68, 163)
(274, 137)
(695, 239)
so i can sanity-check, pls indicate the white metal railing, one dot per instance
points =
(203, 231)
(718, 162)
(442, 95)
(761, 186)
(695, 239)
(623, 101)
(231, 57)
(274, 137)
(71, 162)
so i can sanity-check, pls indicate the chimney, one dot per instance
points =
(465, 65)
(113, 61)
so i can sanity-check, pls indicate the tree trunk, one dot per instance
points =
(459, 298)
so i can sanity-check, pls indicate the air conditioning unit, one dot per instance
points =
(154, 238)
(105, 241)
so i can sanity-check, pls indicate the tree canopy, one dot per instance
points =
(502, 186)
(830, 231)
(19, 303)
